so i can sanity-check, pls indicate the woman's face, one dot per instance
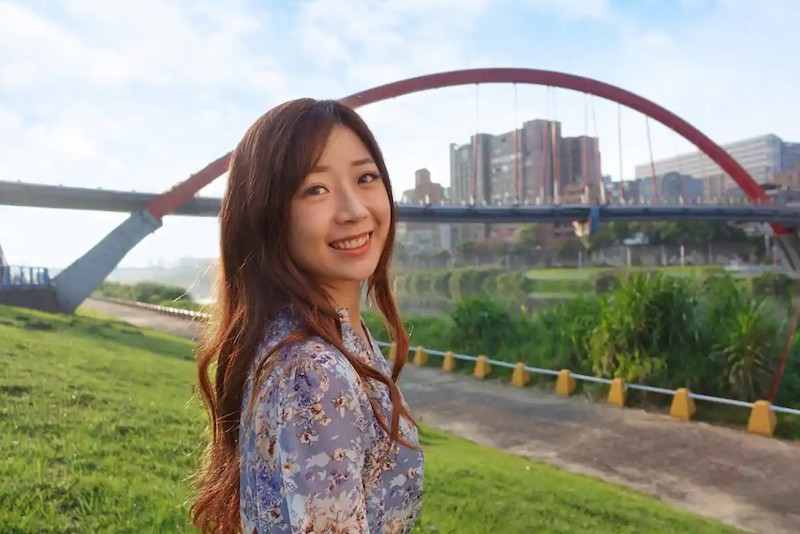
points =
(340, 215)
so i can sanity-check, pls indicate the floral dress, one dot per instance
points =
(313, 456)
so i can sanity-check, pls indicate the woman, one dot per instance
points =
(310, 432)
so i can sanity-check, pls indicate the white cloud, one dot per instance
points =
(36, 52)
(572, 9)
(98, 44)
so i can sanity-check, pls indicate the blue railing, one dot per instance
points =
(21, 276)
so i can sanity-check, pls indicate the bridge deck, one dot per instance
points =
(77, 198)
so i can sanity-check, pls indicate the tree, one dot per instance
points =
(527, 236)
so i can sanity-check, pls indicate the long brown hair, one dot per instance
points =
(256, 277)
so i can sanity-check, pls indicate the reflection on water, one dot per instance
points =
(442, 304)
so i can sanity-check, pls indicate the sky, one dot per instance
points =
(139, 95)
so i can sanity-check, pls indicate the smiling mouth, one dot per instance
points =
(351, 243)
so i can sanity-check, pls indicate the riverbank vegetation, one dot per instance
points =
(716, 333)
(150, 293)
(708, 331)
(513, 285)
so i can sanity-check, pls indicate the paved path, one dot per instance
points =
(738, 478)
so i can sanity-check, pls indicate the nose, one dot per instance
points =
(350, 206)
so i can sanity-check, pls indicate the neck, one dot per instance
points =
(348, 296)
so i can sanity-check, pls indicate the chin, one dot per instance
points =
(358, 275)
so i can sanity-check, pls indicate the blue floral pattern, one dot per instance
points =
(313, 457)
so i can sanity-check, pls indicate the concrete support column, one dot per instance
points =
(75, 283)
(789, 248)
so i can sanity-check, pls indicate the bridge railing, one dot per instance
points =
(19, 276)
(762, 412)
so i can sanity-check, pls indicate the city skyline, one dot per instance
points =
(139, 97)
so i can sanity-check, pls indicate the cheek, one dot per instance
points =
(302, 233)
(383, 213)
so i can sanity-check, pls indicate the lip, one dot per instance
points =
(354, 251)
(348, 238)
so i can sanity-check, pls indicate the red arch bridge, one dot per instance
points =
(78, 280)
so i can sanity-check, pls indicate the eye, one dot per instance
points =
(314, 190)
(368, 177)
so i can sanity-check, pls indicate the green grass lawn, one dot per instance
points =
(99, 431)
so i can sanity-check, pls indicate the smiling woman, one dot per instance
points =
(340, 218)
(309, 431)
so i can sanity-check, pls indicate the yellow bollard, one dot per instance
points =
(449, 363)
(392, 351)
(420, 357)
(520, 376)
(762, 419)
(565, 384)
(616, 393)
(682, 405)
(482, 367)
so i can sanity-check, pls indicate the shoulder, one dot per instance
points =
(308, 363)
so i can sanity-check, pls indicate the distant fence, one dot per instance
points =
(762, 419)
(23, 277)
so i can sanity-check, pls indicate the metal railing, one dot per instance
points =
(19, 276)
(176, 312)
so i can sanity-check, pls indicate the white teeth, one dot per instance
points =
(350, 243)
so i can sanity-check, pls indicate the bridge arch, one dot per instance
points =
(171, 200)
(77, 281)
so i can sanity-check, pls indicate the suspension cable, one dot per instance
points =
(546, 168)
(652, 163)
(516, 148)
(598, 170)
(680, 169)
(475, 145)
(555, 150)
(585, 145)
(619, 145)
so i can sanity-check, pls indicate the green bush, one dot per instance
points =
(482, 326)
(775, 285)
(605, 282)
(714, 334)
(148, 292)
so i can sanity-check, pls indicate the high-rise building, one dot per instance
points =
(469, 170)
(790, 156)
(424, 238)
(672, 188)
(541, 143)
(504, 164)
(762, 157)
(532, 164)
(790, 177)
(580, 161)
(424, 190)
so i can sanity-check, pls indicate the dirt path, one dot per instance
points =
(734, 477)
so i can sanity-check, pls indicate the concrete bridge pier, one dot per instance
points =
(789, 248)
(77, 282)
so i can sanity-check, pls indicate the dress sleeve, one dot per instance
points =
(320, 442)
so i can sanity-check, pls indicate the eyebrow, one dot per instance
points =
(354, 163)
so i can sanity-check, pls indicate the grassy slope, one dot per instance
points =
(99, 431)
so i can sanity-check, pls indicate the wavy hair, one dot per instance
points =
(256, 277)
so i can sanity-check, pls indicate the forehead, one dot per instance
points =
(342, 145)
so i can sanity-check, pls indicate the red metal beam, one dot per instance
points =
(170, 200)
